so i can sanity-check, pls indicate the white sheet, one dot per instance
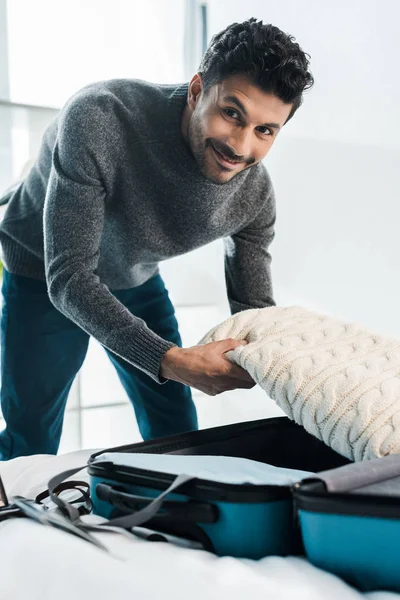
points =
(224, 469)
(42, 563)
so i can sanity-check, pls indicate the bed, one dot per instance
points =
(42, 563)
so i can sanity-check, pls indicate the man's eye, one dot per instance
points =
(264, 130)
(231, 113)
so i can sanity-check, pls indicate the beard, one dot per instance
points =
(202, 147)
(198, 145)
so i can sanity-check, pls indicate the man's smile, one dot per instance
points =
(223, 160)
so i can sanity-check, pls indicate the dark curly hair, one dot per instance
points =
(268, 56)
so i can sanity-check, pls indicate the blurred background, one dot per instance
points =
(334, 166)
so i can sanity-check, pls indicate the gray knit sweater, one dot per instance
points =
(113, 192)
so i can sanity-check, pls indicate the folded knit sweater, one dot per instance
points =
(339, 380)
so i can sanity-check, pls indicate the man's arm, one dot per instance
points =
(248, 280)
(73, 224)
(248, 261)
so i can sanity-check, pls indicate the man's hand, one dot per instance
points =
(205, 367)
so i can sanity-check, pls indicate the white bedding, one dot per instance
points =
(41, 563)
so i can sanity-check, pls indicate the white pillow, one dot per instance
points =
(338, 380)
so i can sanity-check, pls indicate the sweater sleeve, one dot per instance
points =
(73, 223)
(248, 261)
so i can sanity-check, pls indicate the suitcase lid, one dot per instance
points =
(362, 475)
(368, 488)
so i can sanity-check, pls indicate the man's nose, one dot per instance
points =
(240, 143)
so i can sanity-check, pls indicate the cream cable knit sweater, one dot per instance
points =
(339, 380)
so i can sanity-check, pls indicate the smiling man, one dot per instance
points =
(129, 174)
(227, 131)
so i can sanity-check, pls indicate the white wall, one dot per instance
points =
(335, 165)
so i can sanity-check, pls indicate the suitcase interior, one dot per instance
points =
(277, 441)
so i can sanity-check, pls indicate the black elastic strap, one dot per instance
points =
(84, 500)
(126, 521)
(66, 508)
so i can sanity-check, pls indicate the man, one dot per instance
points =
(129, 174)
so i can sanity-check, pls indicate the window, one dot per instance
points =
(98, 39)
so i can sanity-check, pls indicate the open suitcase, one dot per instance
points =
(350, 522)
(236, 519)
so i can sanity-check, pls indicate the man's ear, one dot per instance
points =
(195, 89)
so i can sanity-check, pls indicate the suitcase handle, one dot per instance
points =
(190, 511)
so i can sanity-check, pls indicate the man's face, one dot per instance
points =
(232, 126)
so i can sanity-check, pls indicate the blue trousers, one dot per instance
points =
(42, 351)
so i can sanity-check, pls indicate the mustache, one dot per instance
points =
(229, 153)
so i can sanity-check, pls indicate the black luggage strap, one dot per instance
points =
(84, 501)
(125, 522)
(70, 518)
